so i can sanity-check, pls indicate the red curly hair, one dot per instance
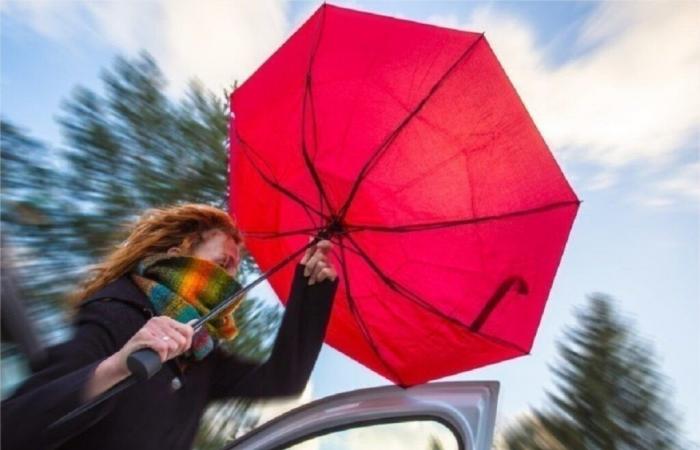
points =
(155, 231)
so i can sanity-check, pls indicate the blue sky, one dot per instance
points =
(612, 87)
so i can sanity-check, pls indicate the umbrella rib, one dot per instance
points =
(415, 298)
(397, 287)
(323, 198)
(275, 184)
(317, 44)
(276, 234)
(394, 134)
(457, 222)
(308, 98)
(428, 171)
(360, 321)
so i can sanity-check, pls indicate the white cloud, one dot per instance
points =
(632, 97)
(52, 19)
(223, 40)
(679, 188)
(685, 183)
(218, 41)
(601, 180)
(127, 26)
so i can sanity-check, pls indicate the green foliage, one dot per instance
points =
(223, 422)
(33, 214)
(133, 148)
(258, 325)
(435, 443)
(609, 393)
(529, 433)
(126, 150)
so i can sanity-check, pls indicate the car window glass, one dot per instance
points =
(410, 435)
(13, 370)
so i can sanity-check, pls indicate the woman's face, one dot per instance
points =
(219, 248)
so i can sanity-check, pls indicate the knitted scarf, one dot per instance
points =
(185, 288)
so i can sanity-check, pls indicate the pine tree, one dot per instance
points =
(125, 150)
(529, 433)
(609, 392)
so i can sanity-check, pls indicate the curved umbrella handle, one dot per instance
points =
(503, 288)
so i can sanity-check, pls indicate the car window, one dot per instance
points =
(13, 370)
(409, 435)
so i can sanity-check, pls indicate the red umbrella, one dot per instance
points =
(408, 143)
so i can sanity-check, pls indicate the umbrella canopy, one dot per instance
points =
(408, 143)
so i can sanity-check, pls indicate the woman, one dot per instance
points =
(176, 264)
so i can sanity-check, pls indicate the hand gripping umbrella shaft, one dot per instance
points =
(145, 363)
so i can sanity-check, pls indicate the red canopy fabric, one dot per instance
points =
(449, 213)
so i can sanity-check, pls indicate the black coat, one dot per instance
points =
(156, 414)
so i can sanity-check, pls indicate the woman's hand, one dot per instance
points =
(167, 337)
(318, 267)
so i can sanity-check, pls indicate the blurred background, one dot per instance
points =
(111, 107)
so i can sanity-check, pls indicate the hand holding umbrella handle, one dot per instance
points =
(143, 363)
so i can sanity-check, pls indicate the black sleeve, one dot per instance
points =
(294, 353)
(102, 328)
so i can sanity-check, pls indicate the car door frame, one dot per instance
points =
(466, 408)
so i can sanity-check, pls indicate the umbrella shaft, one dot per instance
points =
(199, 324)
(237, 296)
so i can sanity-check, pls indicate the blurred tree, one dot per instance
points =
(28, 216)
(528, 433)
(127, 149)
(609, 392)
(223, 422)
(434, 443)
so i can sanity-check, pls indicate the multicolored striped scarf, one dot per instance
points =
(186, 288)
